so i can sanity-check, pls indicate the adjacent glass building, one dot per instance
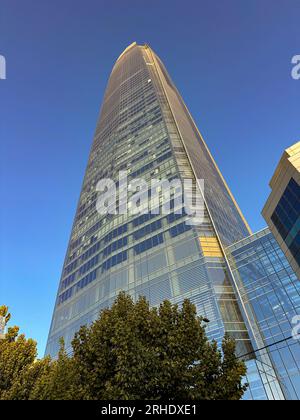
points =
(282, 210)
(270, 291)
(145, 129)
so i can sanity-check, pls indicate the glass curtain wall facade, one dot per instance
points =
(144, 128)
(286, 219)
(270, 291)
(282, 209)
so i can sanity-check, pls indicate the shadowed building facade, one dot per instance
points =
(145, 129)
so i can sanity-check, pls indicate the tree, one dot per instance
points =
(61, 382)
(131, 351)
(24, 386)
(135, 352)
(5, 314)
(23, 377)
(16, 355)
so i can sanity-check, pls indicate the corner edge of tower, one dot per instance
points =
(133, 44)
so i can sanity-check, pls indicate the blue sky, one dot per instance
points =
(231, 61)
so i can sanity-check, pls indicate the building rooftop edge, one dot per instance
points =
(265, 231)
(133, 44)
(287, 154)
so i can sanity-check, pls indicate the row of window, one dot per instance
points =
(83, 206)
(108, 250)
(295, 248)
(149, 101)
(164, 157)
(114, 260)
(140, 122)
(142, 219)
(163, 143)
(150, 165)
(148, 244)
(179, 229)
(90, 251)
(172, 217)
(152, 121)
(83, 211)
(286, 216)
(143, 142)
(86, 280)
(70, 267)
(67, 281)
(124, 159)
(116, 232)
(65, 295)
(281, 222)
(136, 107)
(141, 170)
(140, 157)
(79, 285)
(152, 227)
(77, 242)
(89, 264)
(115, 246)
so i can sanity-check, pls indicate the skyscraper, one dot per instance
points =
(146, 130)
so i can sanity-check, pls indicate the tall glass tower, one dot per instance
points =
(145, 129)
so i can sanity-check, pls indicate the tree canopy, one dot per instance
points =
(131, 351)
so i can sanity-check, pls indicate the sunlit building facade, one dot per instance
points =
(145, 129)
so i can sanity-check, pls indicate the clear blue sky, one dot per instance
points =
(231, 61)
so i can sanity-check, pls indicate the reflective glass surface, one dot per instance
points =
(270, 291)
(286, 218)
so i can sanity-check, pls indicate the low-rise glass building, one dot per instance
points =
(270, 292)
(282, 210)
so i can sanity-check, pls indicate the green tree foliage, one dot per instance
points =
(24, 387)
(23, 377)
(131, 352)
(135, 352)
(5, 314)
(61, 382)
(16, 356)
